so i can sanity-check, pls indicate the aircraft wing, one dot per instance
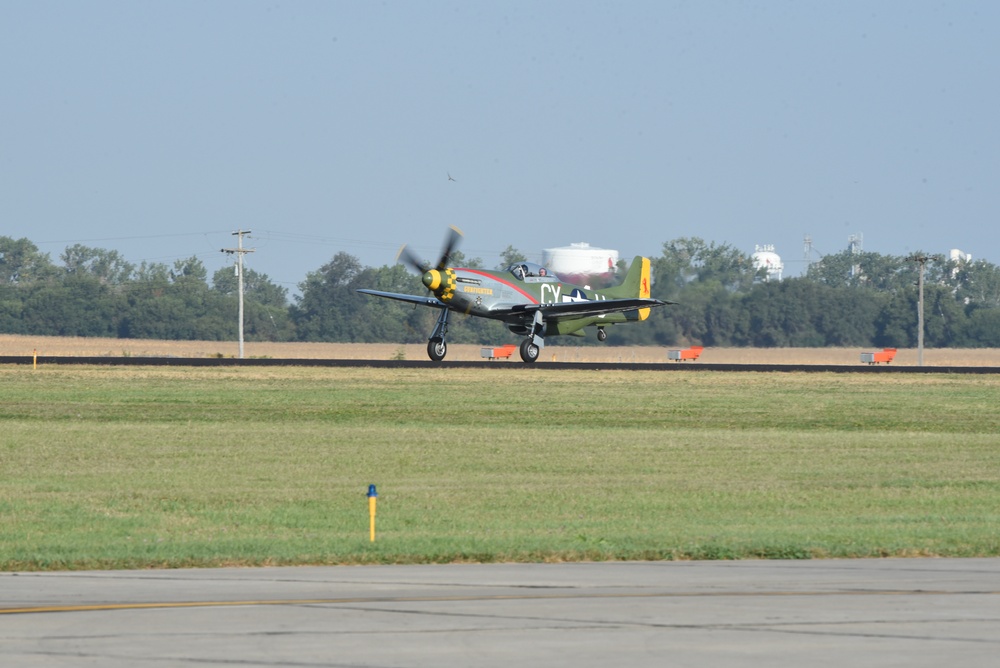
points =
(581, 309)
(413, 299)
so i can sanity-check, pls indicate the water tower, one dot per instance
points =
(959, 257)
(765, 258)
(582, 264)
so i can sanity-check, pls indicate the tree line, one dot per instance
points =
(846, 299)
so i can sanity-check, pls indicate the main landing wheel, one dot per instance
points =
(601, 334)
(529, 351)
(436, 350)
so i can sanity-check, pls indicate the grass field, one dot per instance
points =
(125, 467)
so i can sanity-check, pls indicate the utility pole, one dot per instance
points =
(239, 251)
(922, 261)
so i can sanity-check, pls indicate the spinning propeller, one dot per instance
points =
(428, 276)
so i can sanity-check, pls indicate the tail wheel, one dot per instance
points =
(529, 351)
(436, 350)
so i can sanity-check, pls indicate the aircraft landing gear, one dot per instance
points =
(601, 334)
(437, 348)
(531, 347)
(529, 351)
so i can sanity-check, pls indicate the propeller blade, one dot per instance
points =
(454, 235)
(408, 258)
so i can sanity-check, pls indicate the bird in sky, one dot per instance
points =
(449, 177)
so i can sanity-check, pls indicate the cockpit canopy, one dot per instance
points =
(523, 270)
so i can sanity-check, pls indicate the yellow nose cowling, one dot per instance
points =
(432, 279)
(441, 283)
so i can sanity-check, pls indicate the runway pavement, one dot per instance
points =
(891, 612)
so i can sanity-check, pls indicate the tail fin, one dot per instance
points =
(636, 284)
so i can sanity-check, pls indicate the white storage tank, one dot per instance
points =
(765, 258)
(958, 256)
(582, 264)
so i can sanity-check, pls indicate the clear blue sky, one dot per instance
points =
(158, 128)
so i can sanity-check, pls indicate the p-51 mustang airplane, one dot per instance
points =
(528, 298)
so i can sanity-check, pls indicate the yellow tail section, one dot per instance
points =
(644, 287)
(636, 284)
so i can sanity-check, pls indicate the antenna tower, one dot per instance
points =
(854, 244)
(807, 252)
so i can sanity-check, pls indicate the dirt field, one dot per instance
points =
(12, 345)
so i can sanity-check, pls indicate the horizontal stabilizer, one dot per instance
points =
(588, 308)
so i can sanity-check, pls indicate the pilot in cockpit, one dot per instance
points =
(526, 270)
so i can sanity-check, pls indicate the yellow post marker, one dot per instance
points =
(372, 501)
(34, 359)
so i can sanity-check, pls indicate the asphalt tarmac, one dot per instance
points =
(885, 612)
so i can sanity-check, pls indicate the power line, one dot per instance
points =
(130, 238)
